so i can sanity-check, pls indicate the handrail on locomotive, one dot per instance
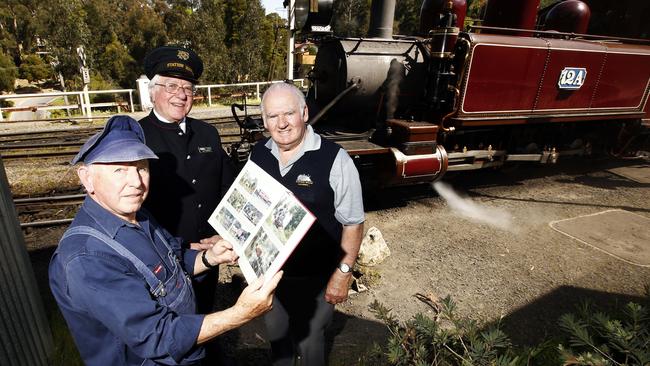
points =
(523, 86)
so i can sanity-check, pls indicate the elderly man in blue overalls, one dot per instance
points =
(121, 281)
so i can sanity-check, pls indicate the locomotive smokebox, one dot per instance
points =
(389, 73)
(570, 16)
(382, 13)
(512, 14)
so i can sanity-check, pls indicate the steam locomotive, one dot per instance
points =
(526, 85)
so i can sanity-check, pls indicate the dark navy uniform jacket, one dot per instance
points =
(190, 177)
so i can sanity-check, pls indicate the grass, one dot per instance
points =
(51, 178)
(65, 351)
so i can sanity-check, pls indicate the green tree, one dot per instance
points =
(116, 63)
(17, 27)
(209, 42)
(407, 17)
(234, 38)
(63, 25)
(476, 9)
(8, 73)
(351, 18)
(33, 68)
(144, 28)
(244, 21)
(179, 21)
(274, 41)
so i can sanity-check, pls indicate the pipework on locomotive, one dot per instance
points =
(527, 84)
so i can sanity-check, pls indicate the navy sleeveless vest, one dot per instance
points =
(319, 252)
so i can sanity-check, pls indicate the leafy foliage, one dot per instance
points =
(593, 338)
(33, 68)
(445, 339)
(596, 338)
(351, 18)
(8, 73)
(407, 17)
(234, 38)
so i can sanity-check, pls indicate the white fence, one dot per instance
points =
(83, 105)
(82, 101)
(298, 82)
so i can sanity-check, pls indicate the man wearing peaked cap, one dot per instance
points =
(193, 171)
(121, 280)
(121, 140)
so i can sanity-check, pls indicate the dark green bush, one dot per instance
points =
(592, 338)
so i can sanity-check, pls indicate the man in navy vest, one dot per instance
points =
(318, 273)
(121, 281)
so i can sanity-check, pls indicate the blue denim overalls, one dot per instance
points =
(176, 293)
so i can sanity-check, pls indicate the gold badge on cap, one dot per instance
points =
(183, 55)
(304, 180)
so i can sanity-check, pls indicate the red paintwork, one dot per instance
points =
(419, 166)
(646, 116)
(563, 54)
(516, 78)
(624, 78)
(503, 79)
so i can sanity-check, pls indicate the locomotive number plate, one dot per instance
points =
(572, 78)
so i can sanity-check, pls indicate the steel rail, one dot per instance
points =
(45, 223)
(48, 198)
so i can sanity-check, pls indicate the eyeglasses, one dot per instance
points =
(172, 88)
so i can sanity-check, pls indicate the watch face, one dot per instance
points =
(344, 268)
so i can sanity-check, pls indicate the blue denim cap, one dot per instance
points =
(122, 140)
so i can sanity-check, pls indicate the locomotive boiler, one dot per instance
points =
(525, 85)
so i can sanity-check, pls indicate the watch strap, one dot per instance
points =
(205, 260)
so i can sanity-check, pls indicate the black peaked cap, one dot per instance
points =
(173, 61)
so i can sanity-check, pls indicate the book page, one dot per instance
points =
(263, 220)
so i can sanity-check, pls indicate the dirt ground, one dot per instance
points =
(500, 263)
(492, 250)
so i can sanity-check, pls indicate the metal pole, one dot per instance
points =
(131, 101)
(291, 18)
(89, 112)
(82, 103)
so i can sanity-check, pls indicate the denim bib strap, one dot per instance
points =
(156, 287)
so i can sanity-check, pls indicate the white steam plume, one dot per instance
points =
(466, 207)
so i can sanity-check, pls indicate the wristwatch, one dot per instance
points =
(205, 260)
(345, 268)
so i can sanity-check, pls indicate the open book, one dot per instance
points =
(263, 221)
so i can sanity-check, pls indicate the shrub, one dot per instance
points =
(33, 68)
(592, 338)
(8, 73)
(596, 338)
(447, 339)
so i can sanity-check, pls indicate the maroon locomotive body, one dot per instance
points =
(524, 86)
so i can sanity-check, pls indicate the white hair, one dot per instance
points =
(300, 97)
(152, 84)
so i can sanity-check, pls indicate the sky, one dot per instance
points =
(274, 6)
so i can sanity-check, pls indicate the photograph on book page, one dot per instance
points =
(263, 220)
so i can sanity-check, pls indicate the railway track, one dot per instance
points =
(61, 144)
(50, 210)
(65, 143)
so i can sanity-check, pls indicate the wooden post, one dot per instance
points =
(24, 330)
